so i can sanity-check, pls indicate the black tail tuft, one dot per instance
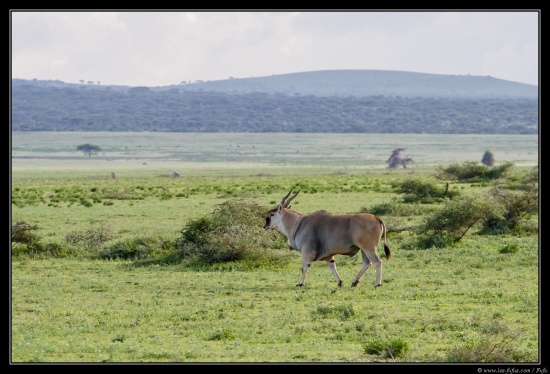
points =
(387, 251)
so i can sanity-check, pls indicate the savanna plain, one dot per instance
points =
(152, 249)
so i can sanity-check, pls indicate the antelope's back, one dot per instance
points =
(341, 230)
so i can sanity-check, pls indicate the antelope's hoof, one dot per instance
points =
(340, 283)
(354, 284)
(299, 285)
(378, 285)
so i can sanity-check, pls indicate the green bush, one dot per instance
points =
(387, 348)
(232, 232)
(454, 219)
(397, 209)
(510, 248)
(92, 239)
(473, 171)
(433, 241)
(424, 192)
(47, 250)
(24, 233)
(26, 242)
(138, 249)
(518, 204)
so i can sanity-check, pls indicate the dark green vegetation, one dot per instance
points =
(55, 106)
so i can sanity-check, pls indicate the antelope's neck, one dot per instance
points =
(289, 223)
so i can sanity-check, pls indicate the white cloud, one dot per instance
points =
(163, 48)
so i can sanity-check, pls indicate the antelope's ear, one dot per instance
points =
(279, 208)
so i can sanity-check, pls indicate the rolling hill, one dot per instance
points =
(360, 83)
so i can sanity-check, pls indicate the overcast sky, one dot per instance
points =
(165, 48)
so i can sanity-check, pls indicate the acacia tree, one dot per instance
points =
(88, 149)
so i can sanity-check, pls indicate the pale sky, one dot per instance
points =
(147, 48)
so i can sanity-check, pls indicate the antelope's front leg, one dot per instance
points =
(307, 259)
(332, 266)
(305, 267)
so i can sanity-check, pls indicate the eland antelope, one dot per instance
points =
(319, 236)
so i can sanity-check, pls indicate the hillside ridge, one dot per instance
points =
(359, 83)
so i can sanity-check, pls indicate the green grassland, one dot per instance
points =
(461, 303)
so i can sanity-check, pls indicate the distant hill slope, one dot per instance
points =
(356, 101)
(361, 83)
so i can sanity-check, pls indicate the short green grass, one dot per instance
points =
(434, 300)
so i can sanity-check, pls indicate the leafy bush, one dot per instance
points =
(473, 171)
(433, 241)
(387, 348)
(232, 232)
(424, 192)
(26, 242)
(24, 233)
(138, 249)
(397, 209)
(455, 218)
(222, 334)
(92, 239)
(47, 250)
(518, 204)
(509, 248)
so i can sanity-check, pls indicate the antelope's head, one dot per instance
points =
(274, 215)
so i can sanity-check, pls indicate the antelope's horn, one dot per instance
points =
(284, 198)
(285, 205)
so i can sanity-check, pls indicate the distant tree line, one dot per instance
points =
(102, 108)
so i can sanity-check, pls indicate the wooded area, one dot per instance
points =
(39, 107)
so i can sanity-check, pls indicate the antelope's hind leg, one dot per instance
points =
(366, 264)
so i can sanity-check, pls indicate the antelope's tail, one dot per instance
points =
(387, 250)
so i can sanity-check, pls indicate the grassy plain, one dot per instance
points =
(471, 298)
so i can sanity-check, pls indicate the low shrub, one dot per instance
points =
(519, 203)
(386, 347)
(397, 209)
(509, 248)
(454, 219)
(45, 250)
(473, 171)
(138, 249)
(91, 240)
(424, 192)
(232, 232)
(24, 233)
